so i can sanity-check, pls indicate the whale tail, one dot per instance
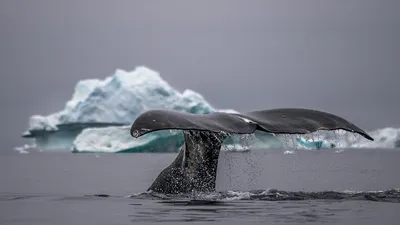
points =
(194, 169)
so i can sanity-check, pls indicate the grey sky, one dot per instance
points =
(341, 56)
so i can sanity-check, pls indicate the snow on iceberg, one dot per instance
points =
(114, 101)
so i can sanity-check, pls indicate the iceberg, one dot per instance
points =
(119, 99)
(114, 101)
(98, 116)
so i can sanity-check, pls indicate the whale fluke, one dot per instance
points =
(195, 167)
(282, 121)
(300, 121)
(217, 122)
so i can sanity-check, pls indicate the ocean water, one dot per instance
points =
(350, 186)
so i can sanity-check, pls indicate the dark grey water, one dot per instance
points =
(319, 187)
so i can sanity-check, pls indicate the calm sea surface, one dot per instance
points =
(256, 187)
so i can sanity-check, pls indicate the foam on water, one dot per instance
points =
(392, 195)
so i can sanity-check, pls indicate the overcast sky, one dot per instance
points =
(341, 56)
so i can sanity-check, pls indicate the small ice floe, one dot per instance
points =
(22, 149)
(339, 151)
(287, 152)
